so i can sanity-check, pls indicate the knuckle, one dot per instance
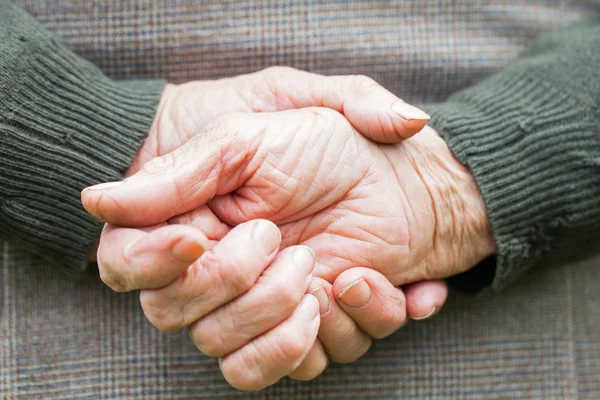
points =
(245, 372)
(278, 70)
(351, 353)
(140, 275)
(390, 321)
(363, 81)
(163, 163)
(320, 367)
(208, 341)
(291, 346)
(275, 84)
(107, 275)
(286, 298)
(308, 374)
(229, 275)
(109, 280)
(225, 131)
(159, 313)
(244, 380)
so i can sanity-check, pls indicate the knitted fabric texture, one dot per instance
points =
(63, 126)
(531, 136)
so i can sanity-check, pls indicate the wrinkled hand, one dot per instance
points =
(230, 296)
(410, 211)
(240, 314)
(186, 108)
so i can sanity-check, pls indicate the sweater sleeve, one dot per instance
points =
(63, 126)
(530, 135)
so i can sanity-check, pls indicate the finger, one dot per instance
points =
(219, 276)
(371, 300)
(130, 259)
(313, 365)
(271, 300)
(277, 353)
(425, 299)
(205, 220)
(211, 163)
(373, 110)
(341, 337)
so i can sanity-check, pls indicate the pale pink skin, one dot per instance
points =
(404, 213)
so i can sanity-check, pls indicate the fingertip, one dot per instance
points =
(356, 294)
(409, 112)
(313, 365)
(425, 299)
(185, 243)
(319, 291)
(349, 279)
(189, 248)
(385, 310)
(408, 128)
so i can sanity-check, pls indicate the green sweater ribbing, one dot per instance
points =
(63, 126)
(531, 136)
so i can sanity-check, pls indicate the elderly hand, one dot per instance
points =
(186, 108)
(409, 211)
(354, 202)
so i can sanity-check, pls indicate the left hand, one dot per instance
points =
(222, 314)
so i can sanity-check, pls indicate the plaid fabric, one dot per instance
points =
(76, 339)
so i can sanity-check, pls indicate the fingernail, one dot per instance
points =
(409, 112)
(357, 294)
(188, 250)
(309, 305)
(305, 260)
(308, 280)
(267, 235)
(303, 255)
(324, 303)
(102, 186)
(428, 315)
(134, 249)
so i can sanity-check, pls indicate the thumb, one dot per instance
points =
(376, 306)
(374, 111)
(175, 183)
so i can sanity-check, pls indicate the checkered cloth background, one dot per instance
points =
(61, 338)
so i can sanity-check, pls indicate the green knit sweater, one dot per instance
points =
(63, 126)
(530, 134)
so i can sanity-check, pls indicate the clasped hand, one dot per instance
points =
(262, 215)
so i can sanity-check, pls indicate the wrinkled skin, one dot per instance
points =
(395, 209)
(355, 203)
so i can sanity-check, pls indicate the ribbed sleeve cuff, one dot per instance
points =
(65, 126)
(530, 136)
